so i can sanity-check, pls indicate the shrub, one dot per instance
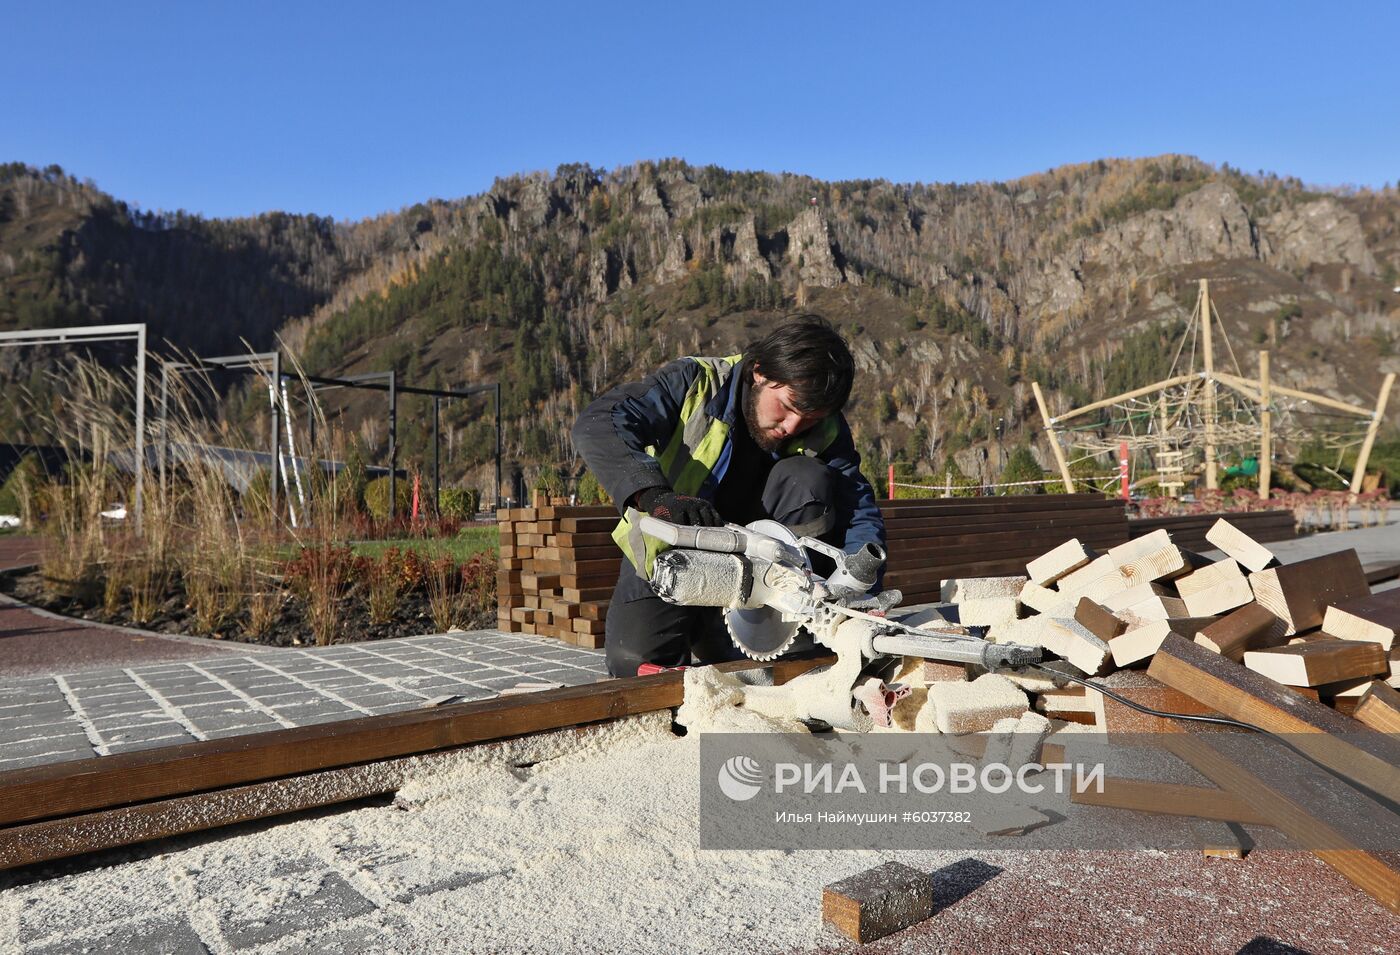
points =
(1021, 466)
(20, 490)
(550, 481)
(319, 575)
(377, 497)
(590, 491)
(459, 503)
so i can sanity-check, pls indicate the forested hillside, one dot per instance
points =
(955, 297)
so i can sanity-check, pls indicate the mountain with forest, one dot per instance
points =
(955, 297)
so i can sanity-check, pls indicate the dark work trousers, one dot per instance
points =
(643, 628)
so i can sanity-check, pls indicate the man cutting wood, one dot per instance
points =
(704, 441)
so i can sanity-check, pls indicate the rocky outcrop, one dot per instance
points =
(810, 249)
(672, 265)
(1057, 287)
(747, 258)
(1315, 233)
(1210, 223)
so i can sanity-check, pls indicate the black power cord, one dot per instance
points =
(1187, 717)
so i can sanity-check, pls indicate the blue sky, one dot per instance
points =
(350, 109)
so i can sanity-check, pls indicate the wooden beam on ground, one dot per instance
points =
(80, 786)
(1170, 799)
(1315, 809)
(1319, 662)
(1368, 758)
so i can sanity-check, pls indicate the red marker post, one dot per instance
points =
(891, 484)
(1123, 468)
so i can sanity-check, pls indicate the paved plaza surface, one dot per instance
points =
(45, 719)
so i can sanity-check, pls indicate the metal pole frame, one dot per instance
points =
(253, 361)
(388, 381)
(90, 334)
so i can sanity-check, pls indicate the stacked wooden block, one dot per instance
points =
(558, 566)
(933, 540)
(1189, 530)
(1312, 625)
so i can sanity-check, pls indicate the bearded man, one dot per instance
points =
(705, 441)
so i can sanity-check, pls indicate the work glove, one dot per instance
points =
(667, 505)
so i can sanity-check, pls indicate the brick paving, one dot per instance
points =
(64, 716)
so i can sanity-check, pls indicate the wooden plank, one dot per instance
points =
(1380, 572)
(1064, 559)
(1323, 661)
(1099, 620)
(1249, 627)
(585, 525)
(1139, 643)
(84, 785)
(1169, 799)
(1375, 617)
(1311, 807)
(1300, 593)
(1359, 754)
(1379, 707)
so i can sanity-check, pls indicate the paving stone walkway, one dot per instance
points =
(45, 719)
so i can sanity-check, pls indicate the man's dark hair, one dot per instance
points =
(808, 354)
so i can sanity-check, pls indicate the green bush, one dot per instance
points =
(1021, 466)
(377, 497)
(590, 491)
(23, 481)
(461, 503)
(549, 481)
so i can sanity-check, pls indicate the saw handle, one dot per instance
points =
(716, 540)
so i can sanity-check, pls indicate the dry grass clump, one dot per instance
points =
(209, 532)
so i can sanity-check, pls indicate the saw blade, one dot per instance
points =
(761, 633)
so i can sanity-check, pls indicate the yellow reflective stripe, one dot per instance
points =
(703, 458)
(689, 458)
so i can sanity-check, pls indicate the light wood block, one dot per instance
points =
(1159, 608)
(1055, 564)
(1074, 642)
(1238, 545)
(1375, 617)
(1162, 562)
(1135, 594)
(1222, 598)
(1208, 577)
(1041, 599)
